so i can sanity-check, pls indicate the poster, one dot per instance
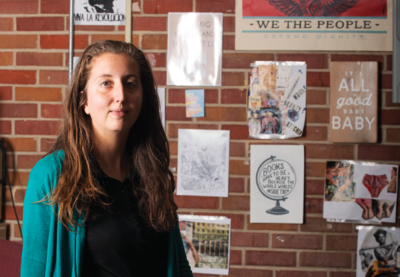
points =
(378, 251)
(360, 191)
(354, 102)
(335, 25)
(99, 12)
(194, 55)
(203, 162)
(207, 243)
(194, 102)
(276, 101)
(161, 96)
(276, 183)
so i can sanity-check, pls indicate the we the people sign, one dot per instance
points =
(354, 102)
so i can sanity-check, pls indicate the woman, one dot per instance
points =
(101, 202)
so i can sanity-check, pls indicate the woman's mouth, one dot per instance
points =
(119, 113)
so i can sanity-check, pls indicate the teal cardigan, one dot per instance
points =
(49, 249)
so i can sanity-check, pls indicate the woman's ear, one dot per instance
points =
(85, 105)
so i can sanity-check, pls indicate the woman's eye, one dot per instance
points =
(130, 84)
(105, 84)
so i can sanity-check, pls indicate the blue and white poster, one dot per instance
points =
(194, 102)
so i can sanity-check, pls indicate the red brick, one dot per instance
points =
(316, 97)
(318, 259)
(389, 100)
(237, 149)
(51, 111)
(305, 273)
(228, 43)
(19, 144)
(173, 128)
(296, 241)
(249, 239)
(160, 77)
(315, 169)
(237, 131)
(271, 226)
(6, 24)
(341, 243)
(105, 36)
(176, 113)
(245, 272)
(46, 144)
(19, 178)
(5, 93)
(45, 59)
(338, 152)
(389, 62)
(5, 127)
(378, 152)
(27, 161)
(216, 6)
(392, 135)
(233, 78)
(61, 41)
(239, 167)
(314, 133)
(35, 127)
(40, 24)
(211, 96)
(54, 6)
(157, 42)
(145, 23)
(242, 60)
(19, 195)
(313, 61)
(386, 81)
(233, 96)
(356, 58)
(235, 257)
(17, 233)
(173, 148)
(18, 41)
(234, 202)
(315, 187)
(24, 77)
(10, 161)
(236, 185)
(18, 7)
(164, 7)
(314, 205)
(317, 115)
(237, 220)
(6, 58)
(196, 202)
(224, 114)
(9, 213)
(270, 258)
(38, 94)
(342, 274)
(156, 59)
(318, 79)
(390, 117)
(228, 24)
(54, 77)
(318, 224)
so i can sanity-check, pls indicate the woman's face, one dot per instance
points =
(114, 93)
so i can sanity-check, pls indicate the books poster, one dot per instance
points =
(161, 96)
(194, 55)
(334, 25)
(276, 100)
(378, 251)
(206, 240)
(203, 162)
(99, 12)
(194, 102)
(360, 191)
(276, 183)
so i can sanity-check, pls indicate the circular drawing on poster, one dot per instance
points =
(276, 179)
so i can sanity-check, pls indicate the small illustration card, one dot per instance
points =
(194, 102)
(276, 183)
(360, 191)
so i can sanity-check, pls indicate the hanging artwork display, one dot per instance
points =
(354, 102)
(360, 191)
(378, 251)
(161, 96)
(194, 102)
(276, 101)
(99, 12)
(334, 25)
(194, 55)
(206, 240)
(276, 183)
(203, 162)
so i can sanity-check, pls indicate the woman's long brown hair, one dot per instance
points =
(147, 147)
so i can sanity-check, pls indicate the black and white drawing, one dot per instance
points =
(99, 12)
(203, 162)
(276, 184)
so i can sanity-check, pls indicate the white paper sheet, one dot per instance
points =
(276, 183)
(161, 96)
(99, 12)
(203, 162)
(194, 56)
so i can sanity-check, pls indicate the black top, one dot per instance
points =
(121, 243)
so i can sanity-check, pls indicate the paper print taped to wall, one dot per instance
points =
(161, 96)
(378, 251)
(206, 240)
(360, 191)
(276, 184)
(277, 100)
(194, 102)
(99, 12)
(203, 162)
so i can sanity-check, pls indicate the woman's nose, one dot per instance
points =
(119, 92)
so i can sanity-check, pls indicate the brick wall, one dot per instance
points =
(33, 78)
